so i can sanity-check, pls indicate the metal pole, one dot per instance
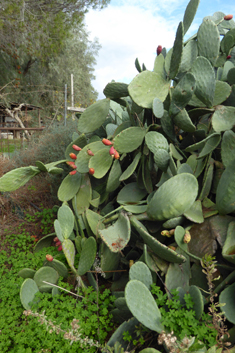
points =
(65, 104)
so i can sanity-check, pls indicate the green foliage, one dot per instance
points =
(181, 319)
(45, 218)
(20, 333)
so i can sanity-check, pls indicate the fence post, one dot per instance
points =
(65, 104)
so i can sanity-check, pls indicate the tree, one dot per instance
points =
(42, 43)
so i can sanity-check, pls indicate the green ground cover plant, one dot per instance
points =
(47, 328)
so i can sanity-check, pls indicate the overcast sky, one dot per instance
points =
(128, 29)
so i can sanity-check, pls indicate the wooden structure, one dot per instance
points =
(10, 121)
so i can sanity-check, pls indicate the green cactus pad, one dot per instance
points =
(83, 157)
(47, 274)
(58, 266)
(141, 272)
(178, 275)
(130, 194)
(179, 238)
(207, 181)
(66, 220)
(158, 248)
(162, 159)
(210, 145)
(208, 40)
(155, 140)
(81, 201)
(129, 139)
(159, 65)
(143, 306)
(190, 53)
(117, 336)
(80, 141)
(195, 214)
(135, 209)
(109, 260)
(198, 302)
(174, 197)
(158, 108)
(184, 168)
(223, 118)
(132, 167)
(115, 90)
(117, 235)
(189, 15)
(225, 193)
(87, 257)
(149, 350)
(94, 221)
(69, 252)
(44, 242)
(94, 116)
(101, 162)
(205, 80)
(177, 51)
(231, 76)
(26, 273)
(183, 121)
(41, 166)
(69, 187)
(146, 86)
(227, 297)
(27, 292)
(173, 222)
(45, 288)
(228, 147)
(228, 250)
(113, 181)
(16, 178)
(58, 230)
(222, 92)
(182, 93)
(199, 145)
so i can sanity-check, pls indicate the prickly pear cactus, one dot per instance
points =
(153, 163)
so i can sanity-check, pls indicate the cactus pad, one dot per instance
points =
(174, 197)
(87, 257)
(27, 292)
(141, 272)
(47, 274)
(143, 306)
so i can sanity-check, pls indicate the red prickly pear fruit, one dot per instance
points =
(228, 57)
(112, 151)
(76, 148)
(59, 248)
(73, 156)
(159, 50)
(116, 155)
(107, 142)
(49, 257)
(73, 172)
(72, 164)
(91, 171)
(90, 153)
(55, 239)
(58, 243)
(228, 17)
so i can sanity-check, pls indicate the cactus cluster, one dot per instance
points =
(153, 158)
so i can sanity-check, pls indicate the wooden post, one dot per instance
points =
(65, 104)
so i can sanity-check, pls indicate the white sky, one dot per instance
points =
(128, 29)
